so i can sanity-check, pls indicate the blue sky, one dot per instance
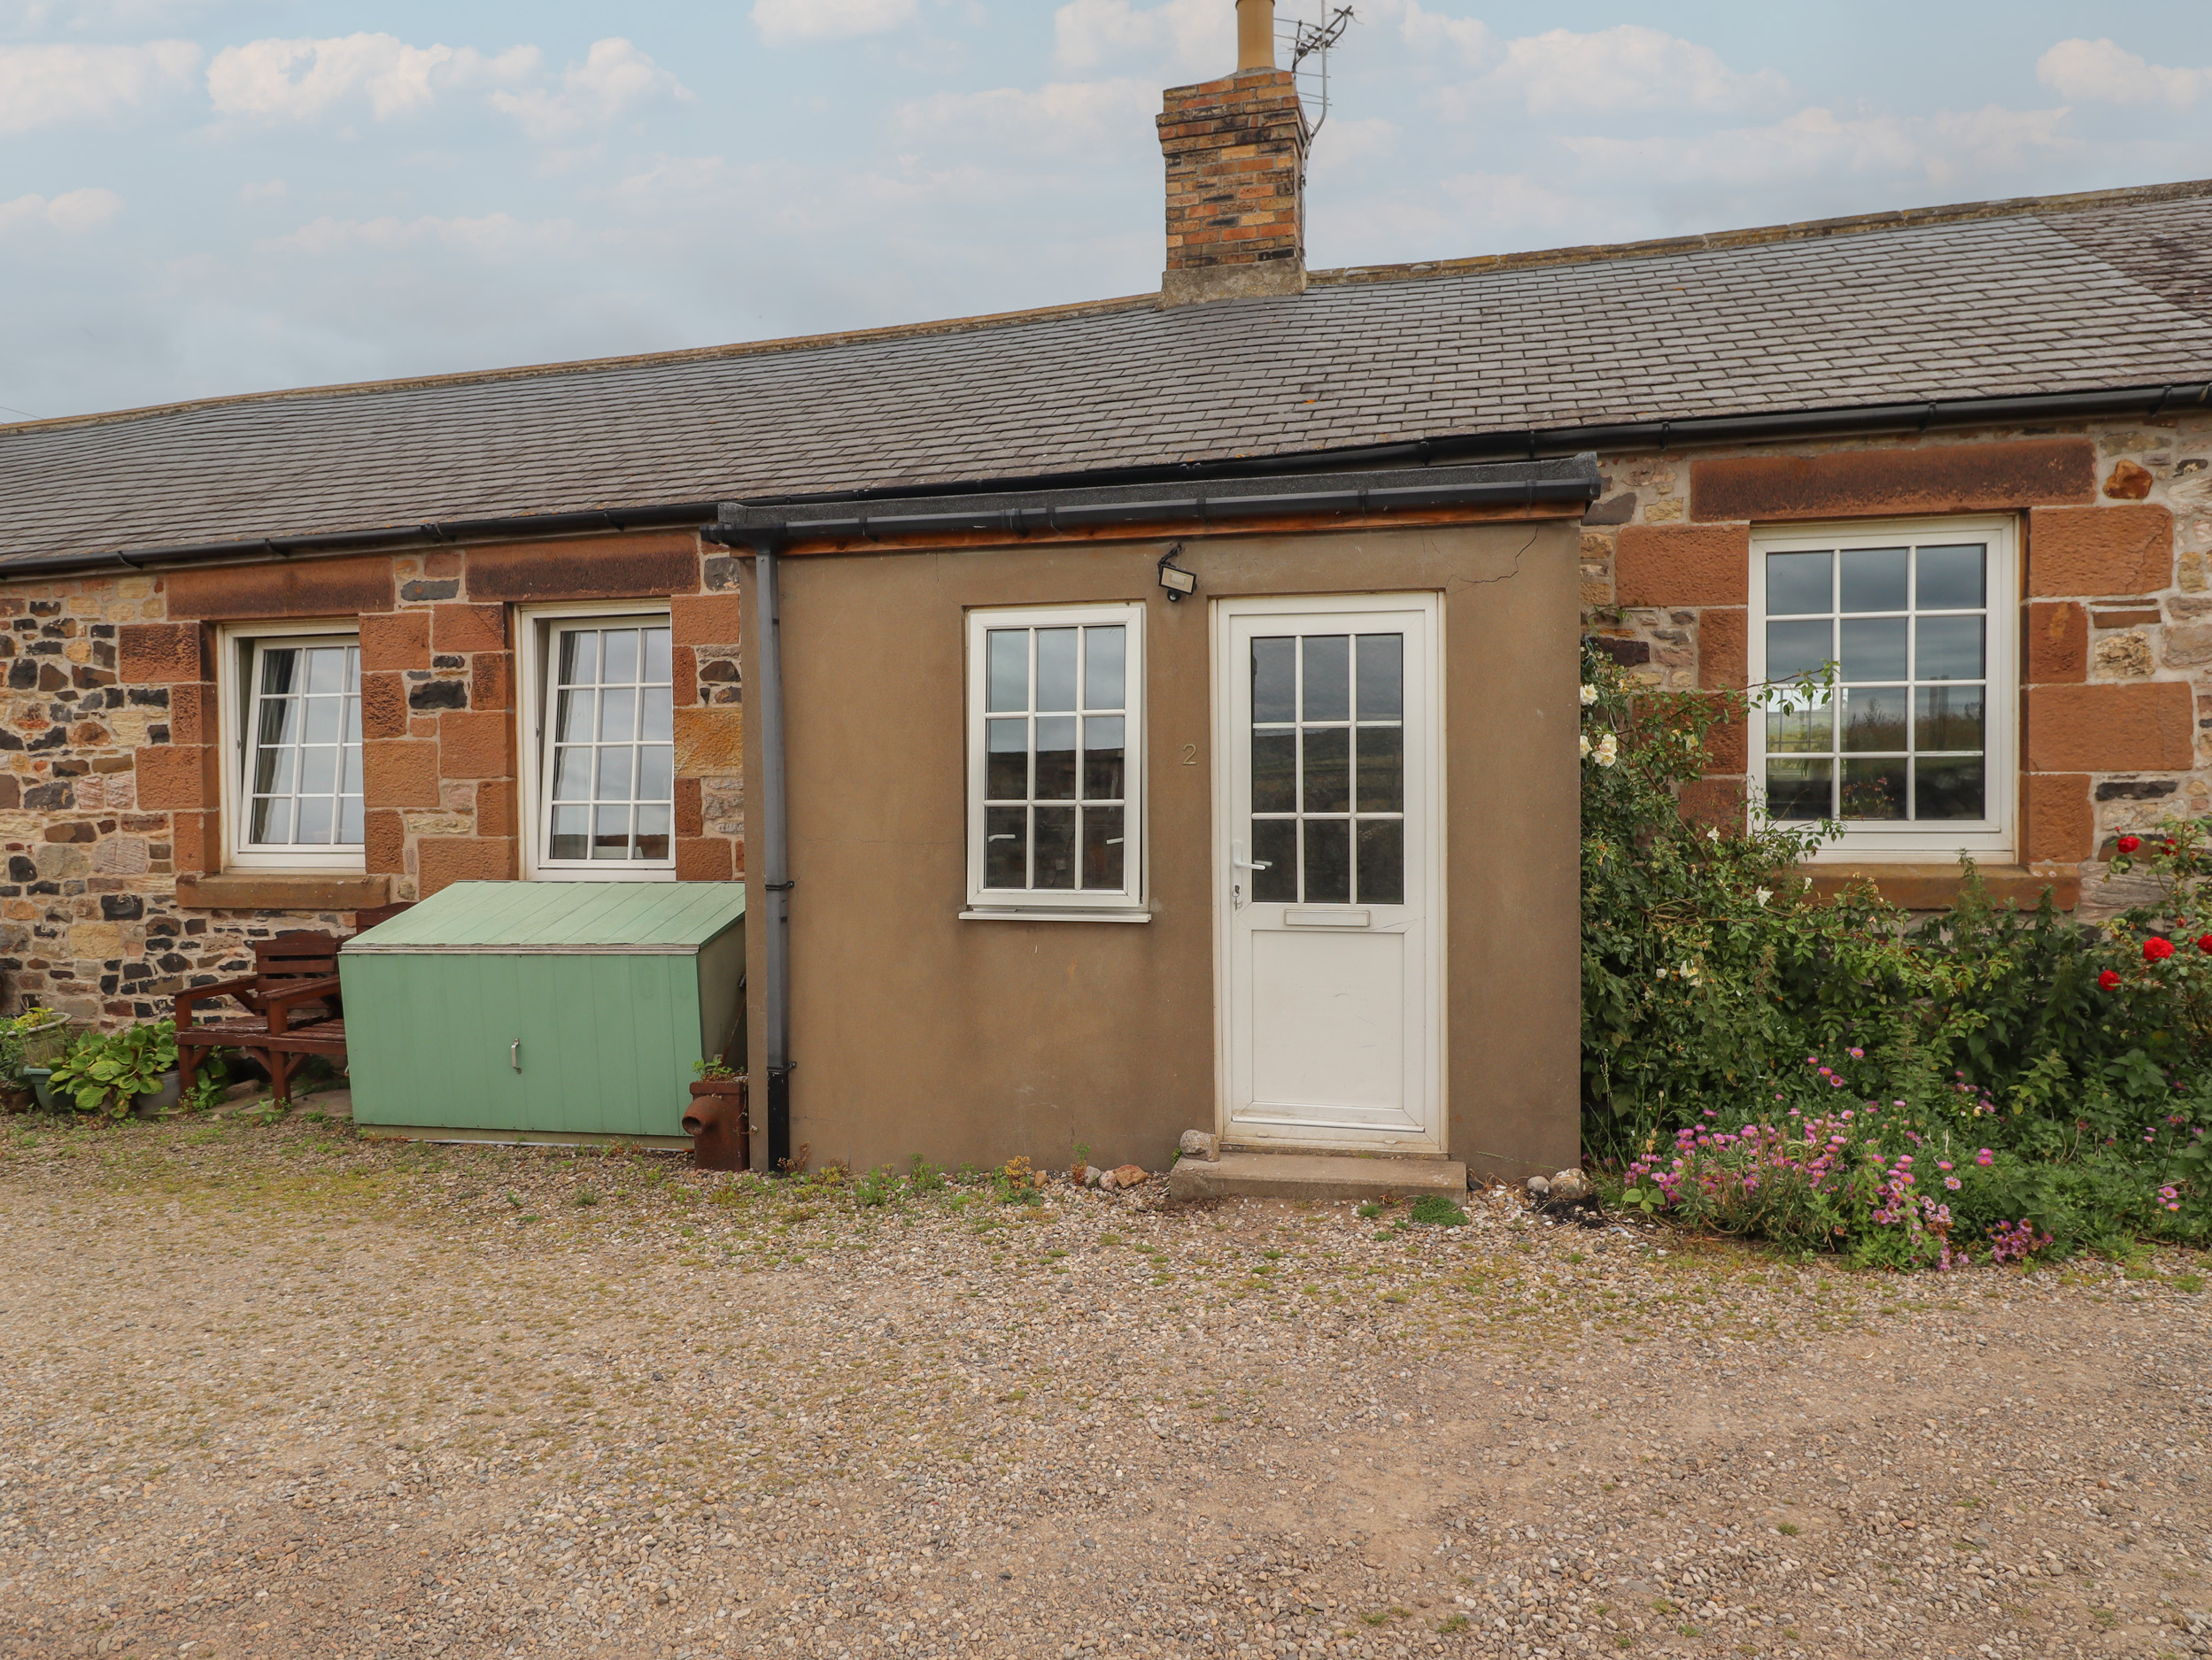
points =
(200, 197)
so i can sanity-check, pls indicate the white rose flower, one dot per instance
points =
(1762, 894)
(1608, 751)
(1586, 747)
(1589, 695)
(1689, 971)
(1713, 835)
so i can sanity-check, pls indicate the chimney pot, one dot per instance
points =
(1254, 34)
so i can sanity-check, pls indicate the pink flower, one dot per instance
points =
(1858, 1054)
(1942, 1164)
(1985, 1158)
(1951, 1182)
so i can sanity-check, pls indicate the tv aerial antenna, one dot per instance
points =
(1308, 44)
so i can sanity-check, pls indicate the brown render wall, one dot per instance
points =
(914, 1031)
(109, 766)
(2115, 612)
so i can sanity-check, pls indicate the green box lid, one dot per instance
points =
(629, 918)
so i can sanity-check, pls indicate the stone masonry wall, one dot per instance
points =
(110, 781)
(2115, 644)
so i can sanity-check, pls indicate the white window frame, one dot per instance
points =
(235, 658)
(1125, 904)
(533, 685)
(1992, 839)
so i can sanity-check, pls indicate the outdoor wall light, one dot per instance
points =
(1174, 578)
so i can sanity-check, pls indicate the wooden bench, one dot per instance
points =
(293, 1010)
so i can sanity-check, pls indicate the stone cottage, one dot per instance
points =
(275, 659)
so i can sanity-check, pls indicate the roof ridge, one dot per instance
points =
(1801, 230)
(640, 359)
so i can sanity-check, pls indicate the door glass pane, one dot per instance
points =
(1329, 778)
(1006, 846)
(1381, 768)
(1947, 717)
(1274, 769)
(1801, 789)
(1328, 864)
(1798, 584)
(1872, 648)
(1327, 691)
(1274, 680)
(1382, 862)
(1275, 844)
(1873, 578)
(1950, 648)
(1874, 717)
(1874, 789)
(1105, 652)
(1055, 669)
(1950, 578)
(1055, 847)
(1007, 653)
(1055, 758)
(1102, 847)
(1102, 757)
(1381, 677)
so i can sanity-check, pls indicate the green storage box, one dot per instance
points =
(543, 1008)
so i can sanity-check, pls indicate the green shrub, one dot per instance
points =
(1726, 1010)
(106, 1071)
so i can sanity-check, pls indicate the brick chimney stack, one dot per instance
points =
(1236, 171)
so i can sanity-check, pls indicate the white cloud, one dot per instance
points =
(1940, 149)
(1056, 119)
(72, 212)
(1627, 68)
(268, 190)
(2100, 72)
(1432, 31)
(41, 85)
(1194, 38)
(495, 236)
(798, 22)
(614, 75)
(300, 79)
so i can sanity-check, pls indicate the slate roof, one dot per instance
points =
(2059, 294)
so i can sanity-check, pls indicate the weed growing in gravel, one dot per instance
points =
(1435, 1211)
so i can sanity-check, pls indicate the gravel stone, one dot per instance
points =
(287, 1392)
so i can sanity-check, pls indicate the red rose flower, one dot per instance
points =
(2127, 843)
(2157, 948)
(2109, 979)
(2204, 942)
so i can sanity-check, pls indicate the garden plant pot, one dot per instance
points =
(161, 1102)
(718, 1124)
(40, 1079)
(42, 1043)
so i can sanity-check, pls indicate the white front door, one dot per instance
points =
(1328, 869)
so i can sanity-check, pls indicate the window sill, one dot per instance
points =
(1934, 886)
(281, 890)
(1012, 913)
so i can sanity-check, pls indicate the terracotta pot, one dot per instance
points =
(719, 1124)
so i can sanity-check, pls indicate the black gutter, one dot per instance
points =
(1526, 443)
(1027, 513)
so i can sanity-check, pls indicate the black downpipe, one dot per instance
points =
(776, 883)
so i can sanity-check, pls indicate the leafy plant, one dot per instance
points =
(710, 1069)
(1434, 1210)
(106, 1071)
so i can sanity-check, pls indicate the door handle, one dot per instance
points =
(1238, 862)
(514, 1055)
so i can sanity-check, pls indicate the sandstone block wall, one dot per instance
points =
(2115, 616)
(110, 763)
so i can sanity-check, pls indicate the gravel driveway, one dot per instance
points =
(278, 1390)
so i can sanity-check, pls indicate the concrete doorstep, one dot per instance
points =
(1322, 1176)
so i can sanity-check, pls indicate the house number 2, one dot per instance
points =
(1190, 754)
